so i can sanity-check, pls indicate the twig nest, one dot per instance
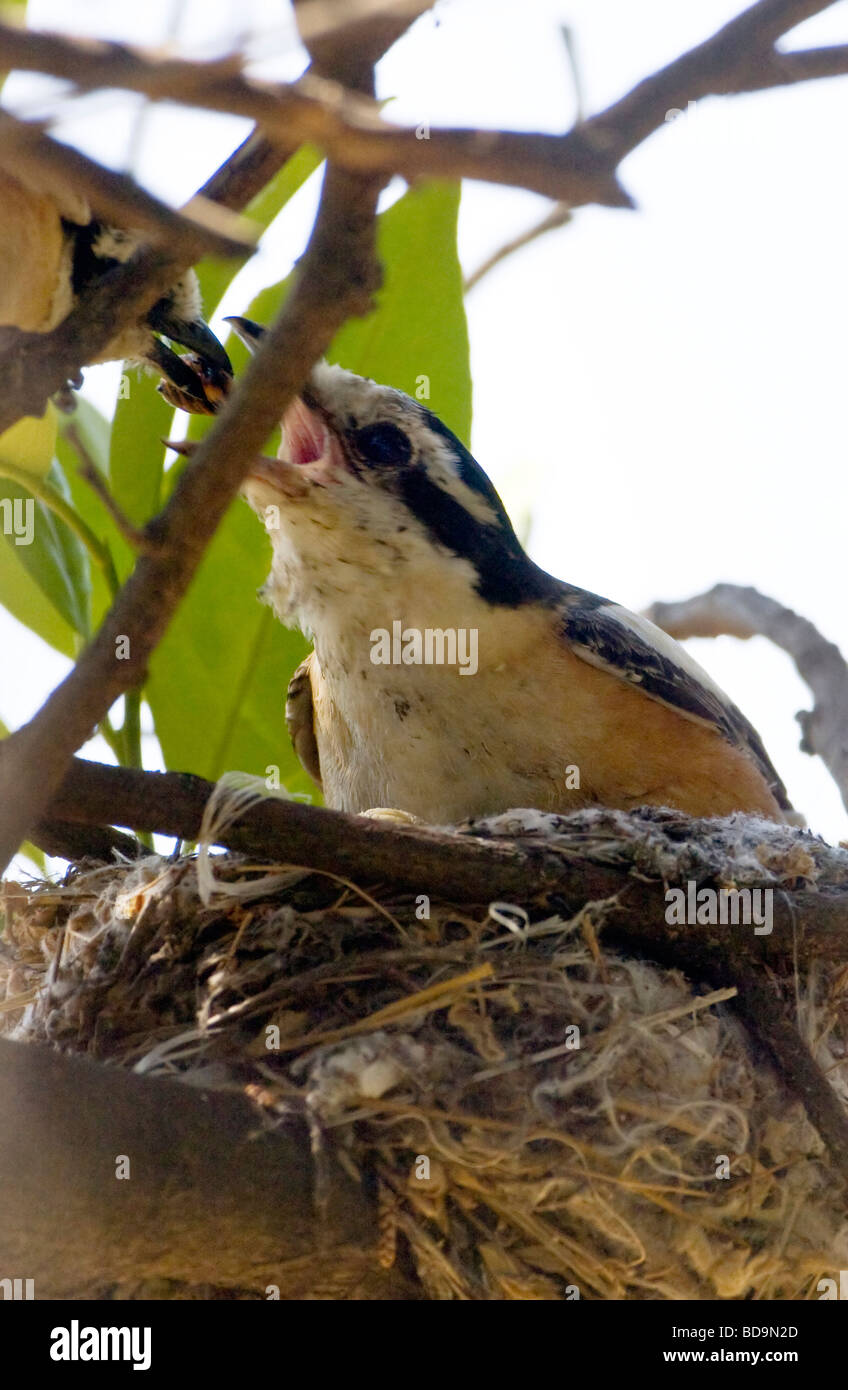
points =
(541, 1117)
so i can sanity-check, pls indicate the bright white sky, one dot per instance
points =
(664, 389)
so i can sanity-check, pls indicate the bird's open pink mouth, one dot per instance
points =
(305, 436)
(310, 452)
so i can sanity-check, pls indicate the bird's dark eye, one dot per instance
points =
(382, 443)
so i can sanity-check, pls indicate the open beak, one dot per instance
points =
(197, 336)
(199, 380)
(310, 451)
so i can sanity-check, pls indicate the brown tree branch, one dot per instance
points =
(576, 168)
(804, 65)
(32, 156)
(767, 1015)
(315, 109)
(456, 867)
(66, 840)
(740, 57)
(249, 168)
(729, 609)
(209, 1199)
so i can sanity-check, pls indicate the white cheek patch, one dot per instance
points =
(185, 297)
(118, 245)
(115, 244)
(442, 469)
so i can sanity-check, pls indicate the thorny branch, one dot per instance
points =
(729, 609)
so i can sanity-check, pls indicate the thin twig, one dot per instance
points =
(559, 216)
(570, 44)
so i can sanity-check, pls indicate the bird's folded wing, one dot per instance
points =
(300, 719)
(635, 650)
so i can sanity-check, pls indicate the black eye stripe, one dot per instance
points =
(505, 575)
(381, 443)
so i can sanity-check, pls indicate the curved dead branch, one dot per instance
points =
(735, 611)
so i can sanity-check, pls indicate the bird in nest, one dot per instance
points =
(52, 250)
(393, 551)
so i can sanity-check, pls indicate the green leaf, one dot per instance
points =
(30, 443)
(21, 596)
(215, 276)
(54, 558)
(95, 431)
(36, 856)
(137, 455)
(40, 542)
(218, 679)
